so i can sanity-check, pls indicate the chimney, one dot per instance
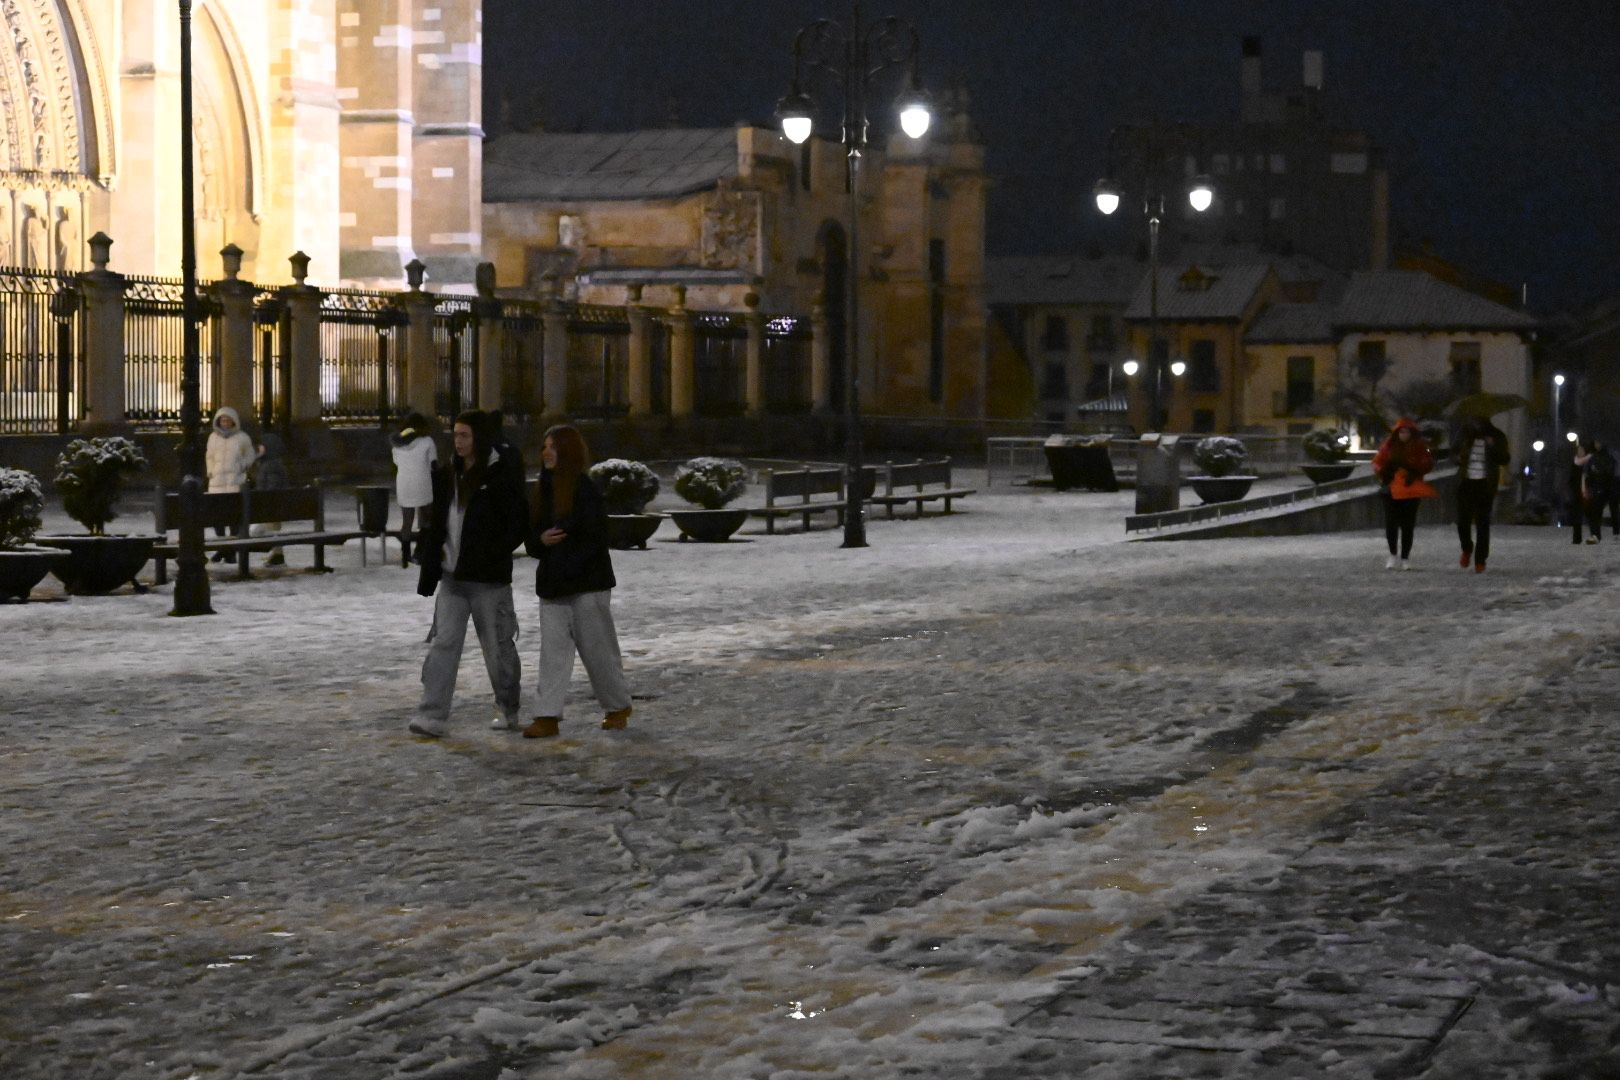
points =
(1251, 68)
(1313, 69)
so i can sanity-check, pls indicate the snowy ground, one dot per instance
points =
(1001, 796)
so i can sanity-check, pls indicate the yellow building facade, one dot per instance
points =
(346, 129)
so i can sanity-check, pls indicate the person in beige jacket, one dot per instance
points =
(229, 456)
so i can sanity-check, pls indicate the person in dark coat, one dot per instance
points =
(270, 473)
(574, 579)
(1482, 460)
(476, 520)
(1591, 476)
(1400, 464)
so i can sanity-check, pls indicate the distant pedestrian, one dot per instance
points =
(270, 473)
(414, 459)
(229, 456)
(1482, 461)
(473, 524)
(1614, 485)
(574, 580)
(1591, 478)
(1400, 464)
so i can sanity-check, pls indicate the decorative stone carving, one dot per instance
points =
(6, 258)
(67, 239)
(35, 252)
(730, 229)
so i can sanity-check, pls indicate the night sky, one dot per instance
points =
(1500, 120)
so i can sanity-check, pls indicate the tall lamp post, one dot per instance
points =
(191, 574)
(1557, 434)
(1108, 194)
(851, 56)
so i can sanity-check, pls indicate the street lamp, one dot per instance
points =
(851, 56)
(191, 575)
(1108, 195)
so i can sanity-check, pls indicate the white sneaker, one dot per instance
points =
(506, 722)
(1391, 563)
(1405, 565)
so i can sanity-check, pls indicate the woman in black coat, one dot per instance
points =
(574, 579)
(476, 520)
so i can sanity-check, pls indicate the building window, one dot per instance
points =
(1352, 164)
(1101, 338)
(1203, 374)
(1056, 382)
(1372, 361)
(1465, 374)
(1278, 208)
(1055, 337)
(1203, 421)
(1098, 385)
(1301, 393)
(1279, 163)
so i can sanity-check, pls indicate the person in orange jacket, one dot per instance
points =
(1400, 464)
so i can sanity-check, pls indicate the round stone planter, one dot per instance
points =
(1217, 489)
(99, 564)
(1322, 472)
(23, 568)
(626, 531)
(708, 526)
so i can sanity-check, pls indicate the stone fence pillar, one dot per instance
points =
(682, 358)
(421, 351)
(820, 358)
(236, 335)
(554, 363)
(640, 390)
(103, 401)
(754, 363)
(304, 305)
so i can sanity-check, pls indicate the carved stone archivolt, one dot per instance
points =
(38, 74)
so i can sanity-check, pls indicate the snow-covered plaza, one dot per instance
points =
(1001, 796)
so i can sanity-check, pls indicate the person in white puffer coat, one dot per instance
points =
(230, 455)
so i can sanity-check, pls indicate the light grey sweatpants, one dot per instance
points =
(495, 620)
(584, 623)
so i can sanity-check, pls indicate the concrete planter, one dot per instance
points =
(100, 564)
(23, 568)
(708, 526)
(1322, 472)
(1216, 489)
(626, 531)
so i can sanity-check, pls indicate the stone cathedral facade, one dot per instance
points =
(349, 130)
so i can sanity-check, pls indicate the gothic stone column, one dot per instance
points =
(236, 330)
(104, 343)
(375, 132)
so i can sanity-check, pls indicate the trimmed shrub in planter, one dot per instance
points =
(710, 483)
(22, 566)
(1327, 448)
(1222, 459)
(626, 486)
(91, 474)
(1221, 455)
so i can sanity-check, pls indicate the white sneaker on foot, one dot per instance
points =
(1391, 563)
(506, 722)
(1405, 565)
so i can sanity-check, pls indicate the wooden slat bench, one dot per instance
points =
(239, 511)
(803, 492)
(921, 478)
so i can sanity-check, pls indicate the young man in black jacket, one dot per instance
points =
(477, 518)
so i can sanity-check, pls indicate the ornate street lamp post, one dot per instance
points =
(851, 56)
(1200, 193)
(191, 576)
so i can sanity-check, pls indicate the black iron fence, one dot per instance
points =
(41, 352)
(362, 373)
(522, 360)
(455, 338)
(720, 361)
(598, 361)
(787, 365)
(154, 344)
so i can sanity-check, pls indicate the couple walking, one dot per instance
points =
(479, 514)
(1401, 464)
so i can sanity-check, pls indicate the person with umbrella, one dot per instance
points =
(1482, 460)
